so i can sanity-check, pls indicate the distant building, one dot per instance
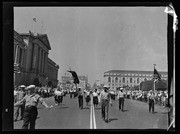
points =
(129, 78)
(31, 60)
(67, 81)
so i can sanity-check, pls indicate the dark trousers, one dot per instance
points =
(95, 101)
(121, 104)
(70, 95)
(20, 108)
(105, 109)
(80, 99)
(30, 116)
(151, 105)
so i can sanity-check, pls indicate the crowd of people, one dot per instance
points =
(161, 97)
(101, 97)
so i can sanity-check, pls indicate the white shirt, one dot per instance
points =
(120, 95)
(94, 94)
(15, 92)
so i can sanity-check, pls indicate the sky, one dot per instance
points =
(93, 40)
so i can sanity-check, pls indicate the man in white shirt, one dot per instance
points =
(105, 100)
(120, 97)
(95, 98)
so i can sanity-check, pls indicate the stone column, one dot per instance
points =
(16, 55)
(46, 64)
(35, 56)
(39, 62)
(42, 68)
(44, 61)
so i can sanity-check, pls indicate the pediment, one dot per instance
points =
(45, 40)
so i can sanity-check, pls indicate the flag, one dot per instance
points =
(34, 19)
(75, 77)
(156, 75)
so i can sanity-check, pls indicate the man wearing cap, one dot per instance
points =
(151, 98)
(120, 97)
(80, 98)
(31, 101)
(105, 100)
(20, 95)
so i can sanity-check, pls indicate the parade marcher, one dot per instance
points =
(88, 98)
(15, 94)
(20, 95)
(71, 93)
(151, 98)
(80, 98)
(58, 97)
(120, 97)
(105, 100)
(31, 101)
(55, 97)
(95, 98)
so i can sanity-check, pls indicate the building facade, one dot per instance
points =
(116, 78)
(19, 57)
(53, 72)
(33, 59)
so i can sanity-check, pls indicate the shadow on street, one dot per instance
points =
(112, 119)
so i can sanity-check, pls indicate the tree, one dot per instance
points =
(50, 84)
(36, 82)
(148, 85)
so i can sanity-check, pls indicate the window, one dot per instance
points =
(116, 79)
(145, 79)
(130, 80)
(123, 80)
(109, 79)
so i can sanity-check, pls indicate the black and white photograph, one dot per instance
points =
(91, 67)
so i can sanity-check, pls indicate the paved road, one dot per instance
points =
(69, 116)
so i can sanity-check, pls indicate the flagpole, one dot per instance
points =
(154, 79)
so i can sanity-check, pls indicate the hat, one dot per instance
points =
(106, 86)
(31, 87)
(22, 86)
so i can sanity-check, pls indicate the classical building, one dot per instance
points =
(67, 81)
(19, 58)
(116, 78)
(34, 59)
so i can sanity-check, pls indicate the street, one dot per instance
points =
(69, 116)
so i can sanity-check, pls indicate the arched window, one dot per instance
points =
(116, 79)
(137, 80)
(145, 79)
(109, 79)
(130, 80)
(123, 80)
